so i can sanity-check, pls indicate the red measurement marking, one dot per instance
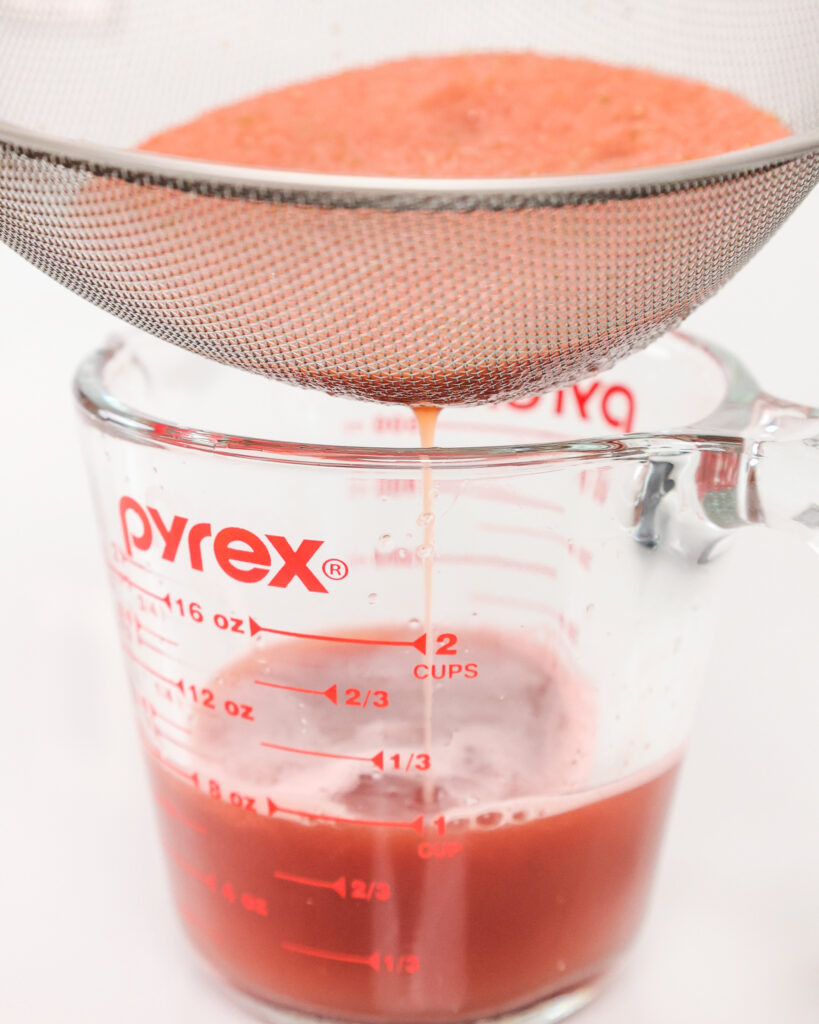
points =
(136, 564)
(526, 531)
(157, 636)
(170, 739)
(420, 644)
(151, 647)
(154, 753)
(497, 562)
(373, 960)
(339, 886)
(178, 683)
(512, 498)
(170, 810)
(514, 602)
(167, 721)
(376, 759)
(121, 556)
(417, 824)
(208, 880)
(164, 599)
(331, 693)
(583, 555)
(559, 617)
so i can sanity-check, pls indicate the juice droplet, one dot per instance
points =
(385, 542)
(372, 598)
(414, 623)
(426, 519)
(423, 551)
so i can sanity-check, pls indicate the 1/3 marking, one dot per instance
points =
(407, 963)
(408, 762)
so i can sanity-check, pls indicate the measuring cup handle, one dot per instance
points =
(781, 468)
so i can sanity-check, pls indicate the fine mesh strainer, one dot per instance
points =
(422, 291)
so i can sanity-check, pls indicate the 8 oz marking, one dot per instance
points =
(246, 803)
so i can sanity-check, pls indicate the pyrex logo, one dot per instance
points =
(241, 554)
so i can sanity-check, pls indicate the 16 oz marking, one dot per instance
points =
(193, 610)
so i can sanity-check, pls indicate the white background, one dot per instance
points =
(87, 933)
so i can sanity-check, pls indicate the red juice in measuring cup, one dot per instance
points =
(315, 870)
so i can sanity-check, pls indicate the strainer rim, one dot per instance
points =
(110, 414)
(278, 185)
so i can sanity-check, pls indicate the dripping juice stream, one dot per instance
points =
(427, 418)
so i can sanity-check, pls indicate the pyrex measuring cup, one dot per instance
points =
(370, 816)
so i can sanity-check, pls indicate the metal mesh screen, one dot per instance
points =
(385, 291)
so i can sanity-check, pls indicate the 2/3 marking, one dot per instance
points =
(355, 698)
(361, 890)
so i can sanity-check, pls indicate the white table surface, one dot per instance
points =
(87, 933)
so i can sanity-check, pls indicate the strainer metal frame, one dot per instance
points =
(395, 193)
(441, 291)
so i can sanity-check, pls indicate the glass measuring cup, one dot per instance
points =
(324, 856)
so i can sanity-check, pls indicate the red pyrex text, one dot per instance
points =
(239, 553)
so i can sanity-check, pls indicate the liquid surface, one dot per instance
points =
(476, 115)
(341, 888)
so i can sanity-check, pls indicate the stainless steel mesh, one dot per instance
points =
(437, 292)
